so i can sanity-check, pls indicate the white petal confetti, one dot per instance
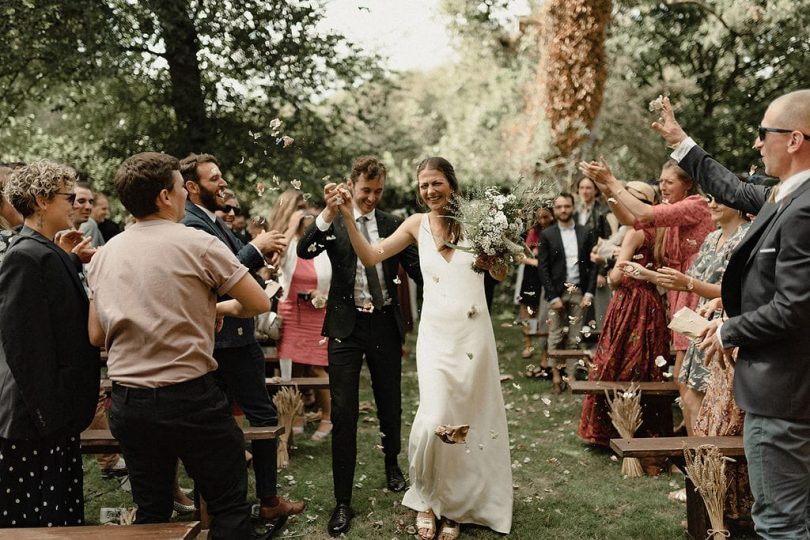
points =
(296, 184)
(660, 361)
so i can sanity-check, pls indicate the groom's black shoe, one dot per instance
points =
(341, 520)
(394, 478)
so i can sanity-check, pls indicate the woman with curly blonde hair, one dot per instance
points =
(49, 371)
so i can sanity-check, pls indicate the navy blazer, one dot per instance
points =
(551, 261)
(340, 309)
(49, 371)
(766, 292)
(236, 332)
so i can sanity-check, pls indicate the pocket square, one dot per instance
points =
(767, 250)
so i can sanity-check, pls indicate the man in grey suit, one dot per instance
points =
(766, 294)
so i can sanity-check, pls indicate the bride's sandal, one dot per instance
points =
(426, 521)
(450, 529)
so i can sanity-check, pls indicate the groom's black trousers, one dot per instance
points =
(376, 336)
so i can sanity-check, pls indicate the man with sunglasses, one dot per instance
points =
(766, 295)
(240, 358)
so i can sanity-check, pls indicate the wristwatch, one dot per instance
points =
(691, 284)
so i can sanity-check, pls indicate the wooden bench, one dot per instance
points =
(271, 382)
(101, 441)
(663, 388)
(672, 447)
(161, 531)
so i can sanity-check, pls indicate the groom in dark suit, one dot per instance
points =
(766, 294)
(240, 358)
(363, 319)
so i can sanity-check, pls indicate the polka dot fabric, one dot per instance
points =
(41, 483)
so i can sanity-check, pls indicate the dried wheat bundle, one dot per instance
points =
(706, 468)
(289, 404)
(625, 413)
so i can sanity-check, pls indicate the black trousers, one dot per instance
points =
(376, 337)
(241, 374)
(190, 421)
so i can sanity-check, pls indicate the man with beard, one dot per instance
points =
(241, 360)
(567, 274)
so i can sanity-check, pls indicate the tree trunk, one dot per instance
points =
(192, 130)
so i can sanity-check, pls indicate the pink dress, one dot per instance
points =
(302, 322)
(687, 223)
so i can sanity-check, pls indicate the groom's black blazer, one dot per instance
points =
(766, 292)
(340, 309)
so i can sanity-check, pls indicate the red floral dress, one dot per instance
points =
(634, 333)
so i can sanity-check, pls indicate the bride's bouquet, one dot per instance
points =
(492, 222)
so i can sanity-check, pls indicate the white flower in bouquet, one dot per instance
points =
(492, 222)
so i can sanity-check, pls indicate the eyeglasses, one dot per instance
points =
(71, 197)
(762, 132)
(235, 209)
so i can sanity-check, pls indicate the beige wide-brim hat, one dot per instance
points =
(641, 190)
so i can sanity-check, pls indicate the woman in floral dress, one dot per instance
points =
(634, 333)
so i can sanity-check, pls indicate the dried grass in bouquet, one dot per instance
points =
(289, 404)
(625, 413)
(706, 468)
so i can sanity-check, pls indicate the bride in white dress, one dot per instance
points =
(457, 364)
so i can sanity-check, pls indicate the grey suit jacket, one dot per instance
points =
(766, 292)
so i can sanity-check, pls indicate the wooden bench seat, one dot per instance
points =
(672, 447)
(101, 441)
(157, 531)
(663, 388)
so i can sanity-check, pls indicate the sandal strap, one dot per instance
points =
(424, 522)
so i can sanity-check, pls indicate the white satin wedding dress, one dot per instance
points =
(459, 383)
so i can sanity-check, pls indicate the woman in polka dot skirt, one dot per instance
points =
(49, 372)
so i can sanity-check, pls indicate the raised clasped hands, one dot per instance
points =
(669, 128)
(338, 198)
(712, 348)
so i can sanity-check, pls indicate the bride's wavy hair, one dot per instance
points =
(439, 164)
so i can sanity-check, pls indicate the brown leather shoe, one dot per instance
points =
(283, 508)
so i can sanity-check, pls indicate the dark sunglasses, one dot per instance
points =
(71, 197)
(762, 132)
(235, 209)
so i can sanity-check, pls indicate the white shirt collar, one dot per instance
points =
(791, 184)
(357, 214)
(208, 212)
(571, 228)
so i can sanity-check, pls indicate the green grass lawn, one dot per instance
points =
(563, 489)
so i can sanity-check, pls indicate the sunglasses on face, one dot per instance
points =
(235, 209)
(762, 132)
(71, 197)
